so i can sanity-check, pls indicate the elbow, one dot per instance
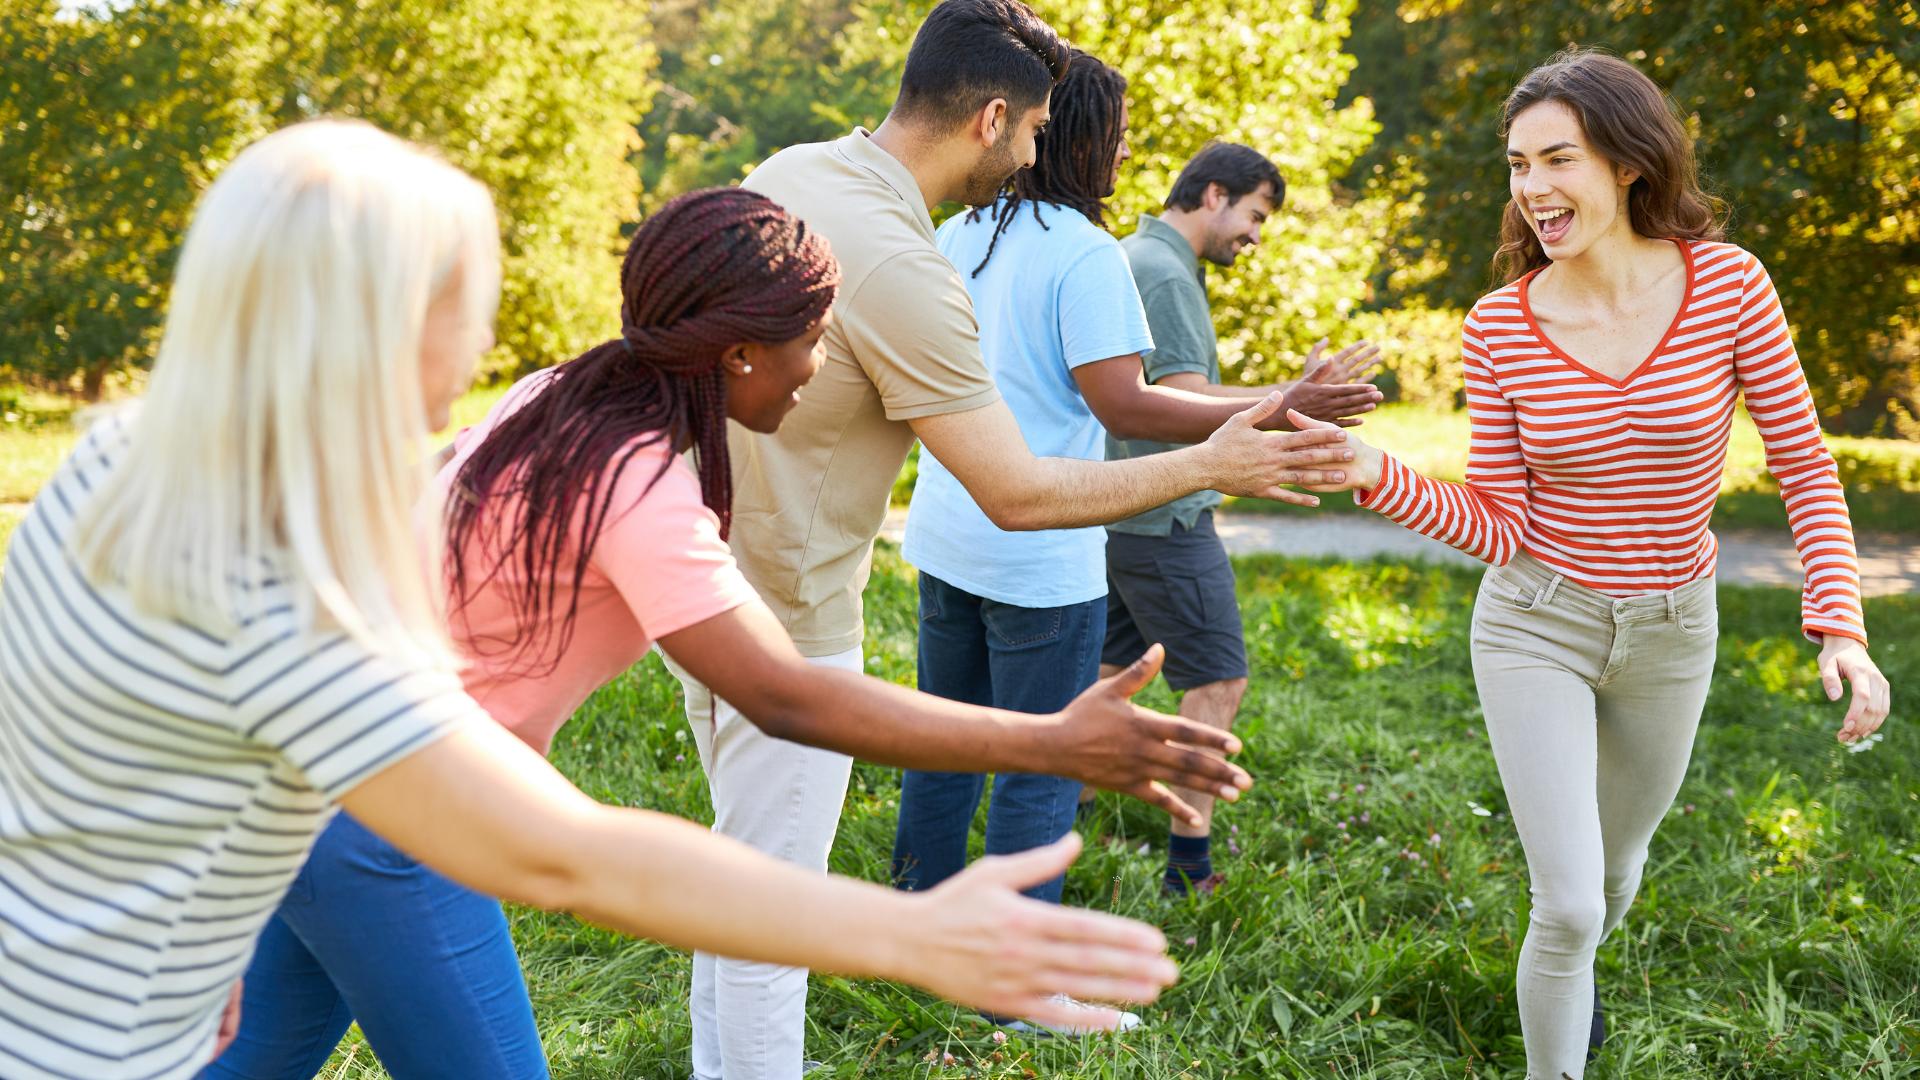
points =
(1124, 423)
(1020, 516)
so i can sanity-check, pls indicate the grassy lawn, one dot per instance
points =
(1378, 893)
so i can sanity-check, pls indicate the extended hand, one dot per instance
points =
(1254, 462)
(1106, 740)
(1367, 466)
(1844, 660)
(980, 943)
(1331, 390)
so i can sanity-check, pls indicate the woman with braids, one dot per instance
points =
(1602, 380)
(1017, 620)
(577, 536)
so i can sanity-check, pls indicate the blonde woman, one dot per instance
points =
(218, 626)
(1602, 380)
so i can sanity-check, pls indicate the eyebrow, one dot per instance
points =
(1511, 152)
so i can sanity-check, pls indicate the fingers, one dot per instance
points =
(1133, 678)
(1155, 793)
(1261, 409)
(1285, 495)
(1305, 423)
(1194, 771)
(1177, 729)
(1830, 677)
(1313, 361)
(1027, 868)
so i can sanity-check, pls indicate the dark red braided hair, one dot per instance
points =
(710, 270)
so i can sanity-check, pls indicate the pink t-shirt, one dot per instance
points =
(658, 566)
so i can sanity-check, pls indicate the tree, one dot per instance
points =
(1806, 114)
(113, 124)
(107, 133)
(535, 98)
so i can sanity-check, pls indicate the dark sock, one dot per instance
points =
(1188, 859)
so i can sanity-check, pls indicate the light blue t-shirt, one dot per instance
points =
(1049, 300)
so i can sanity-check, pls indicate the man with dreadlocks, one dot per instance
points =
(1017, 619)
(577, 536)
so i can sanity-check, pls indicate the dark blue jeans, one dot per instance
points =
(426, 966)
(984, 652)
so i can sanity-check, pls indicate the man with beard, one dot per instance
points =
(902, 360)
(1169, 581)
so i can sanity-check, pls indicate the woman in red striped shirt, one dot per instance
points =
(1601, 381)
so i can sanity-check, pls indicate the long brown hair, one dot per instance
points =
(1627, 118)
(1073, 157)
(710, 270)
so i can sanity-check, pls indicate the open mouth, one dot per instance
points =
(1553, 225)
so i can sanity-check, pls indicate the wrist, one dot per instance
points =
(1372, 466)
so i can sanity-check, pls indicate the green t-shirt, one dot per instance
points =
(1173, 288)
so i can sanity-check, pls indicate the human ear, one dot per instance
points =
(737, 360)
(991, 121)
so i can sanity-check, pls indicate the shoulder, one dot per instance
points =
(1498, 310)
(1715, 261)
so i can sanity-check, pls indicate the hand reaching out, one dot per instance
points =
(1368, 461)
(1103, 739)
(980, 943)
(1249, 461)
(1332, 389)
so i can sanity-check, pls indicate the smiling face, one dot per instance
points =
(1234, 224)
(760, 398)
(1571, 195)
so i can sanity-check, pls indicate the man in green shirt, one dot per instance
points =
(1168, 576)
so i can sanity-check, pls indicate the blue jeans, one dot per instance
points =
(984, 652)
(425, 965)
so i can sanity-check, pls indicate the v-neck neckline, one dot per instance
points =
(1686, 299)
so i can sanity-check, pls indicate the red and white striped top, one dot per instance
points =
(1611, 482)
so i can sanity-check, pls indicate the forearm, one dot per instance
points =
(1172, 414)
(652, 875)
(886, 724)
(1067, 493)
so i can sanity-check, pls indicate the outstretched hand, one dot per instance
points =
(1332, 389)
(1368, 460)
(1258, 463)
(1104, 739)
(980, 943)
(1844, 662)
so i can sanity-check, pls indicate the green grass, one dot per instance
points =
(1754, 951)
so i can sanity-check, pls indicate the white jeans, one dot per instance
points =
(1591, 706)
(750, 1018)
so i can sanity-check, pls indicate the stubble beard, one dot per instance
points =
(989, 176)
(1220, 250)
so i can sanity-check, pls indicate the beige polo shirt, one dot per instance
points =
(809, 499)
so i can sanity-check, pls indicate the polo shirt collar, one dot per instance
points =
(1156, 229)
(858, 148)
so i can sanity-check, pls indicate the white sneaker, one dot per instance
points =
(1128, 1021)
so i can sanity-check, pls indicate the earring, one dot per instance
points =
(746, 369)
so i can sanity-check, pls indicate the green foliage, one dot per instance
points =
(109, 127)
(1333, 950)
(1264, 73)
(100, 163)
(1806, 115)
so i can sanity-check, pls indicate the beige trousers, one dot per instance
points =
(750, 1018)
(1591, 706)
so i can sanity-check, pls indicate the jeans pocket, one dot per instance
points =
(1698, 616)
(1019, 626)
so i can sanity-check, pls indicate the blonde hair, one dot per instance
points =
(284, 431)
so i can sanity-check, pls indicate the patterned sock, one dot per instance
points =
(1189, 859)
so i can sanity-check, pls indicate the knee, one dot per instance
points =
(1570, 923)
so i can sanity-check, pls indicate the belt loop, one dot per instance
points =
(1673, 607)
(1552, 587)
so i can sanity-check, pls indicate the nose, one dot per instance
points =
(1534, 188)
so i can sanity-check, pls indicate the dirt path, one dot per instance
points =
(1889, 565)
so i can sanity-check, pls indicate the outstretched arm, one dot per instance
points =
(1101, 738)
(483, 809)
(986, 452)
